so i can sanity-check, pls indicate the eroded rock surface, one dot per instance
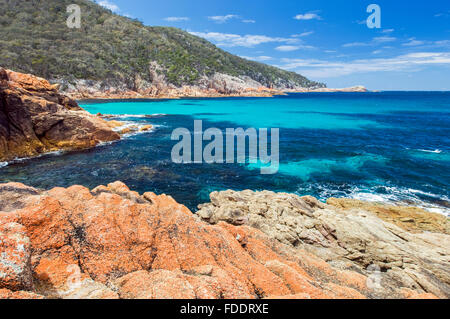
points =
(110, 242)
(397, 247)
(35, 118)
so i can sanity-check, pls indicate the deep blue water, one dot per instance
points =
(389, 146)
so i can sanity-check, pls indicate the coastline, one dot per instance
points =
(187, 93)
(123, 244)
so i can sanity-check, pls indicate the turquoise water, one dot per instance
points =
(388, 146)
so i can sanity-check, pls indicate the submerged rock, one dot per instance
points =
(35, 119)
(111, 242)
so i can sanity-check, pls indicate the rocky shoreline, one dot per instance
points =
(111, 242)
(35, 119)
(218, 85)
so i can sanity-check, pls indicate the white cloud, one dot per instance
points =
(223, 19)
(109, 5)
(301, 35)
(442, 43)
(388, 30)
(327, 69)
(308, 16)
(413, 42)
(355, 44)
(375, 41)
(289, 48)
(384, 39)
(248, 21)
(258, 58)
(176, 19)
(235, 40)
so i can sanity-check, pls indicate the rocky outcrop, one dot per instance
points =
(397, 247)
(358, 88)
(217, 85)
(110, 242)
(35, 118)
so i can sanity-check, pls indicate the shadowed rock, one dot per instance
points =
(35, 119)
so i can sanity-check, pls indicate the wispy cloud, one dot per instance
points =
(176, 19)
(412, 42)
(388, 30)
(308, 16)
(109, 5)
(223, 19)
(383, 39)
(327, 69)
(235, 40)
(289, 48)
(301, 35)
(443, 14)
(374, 41)
(355, 44)
(228, 17)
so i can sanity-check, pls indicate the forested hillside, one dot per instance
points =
(34, 39)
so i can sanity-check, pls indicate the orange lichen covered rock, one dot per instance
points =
(111, 242)
(35, 118)
(15, 270)
(8, 294)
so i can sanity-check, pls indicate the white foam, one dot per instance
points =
(436, 151)
(3, 164)
(395, 196)
(404, 197)
(136, 115)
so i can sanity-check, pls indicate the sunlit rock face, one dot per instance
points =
(110, 242)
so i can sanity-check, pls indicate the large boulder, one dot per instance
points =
(398, 248)
(35, 118)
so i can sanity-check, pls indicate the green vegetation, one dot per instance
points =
(34, 39)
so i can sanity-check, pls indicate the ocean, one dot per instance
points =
(390, 147)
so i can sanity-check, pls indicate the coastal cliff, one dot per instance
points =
(35, 118)
(110, 242)
(218, 85)
(115, 56)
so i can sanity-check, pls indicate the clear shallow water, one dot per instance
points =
(389, 146)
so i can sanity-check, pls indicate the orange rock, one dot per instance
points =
(8, 294)
(111, 242)
(15, 252)
(38, 119)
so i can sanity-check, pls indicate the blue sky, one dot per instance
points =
(325, 40)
